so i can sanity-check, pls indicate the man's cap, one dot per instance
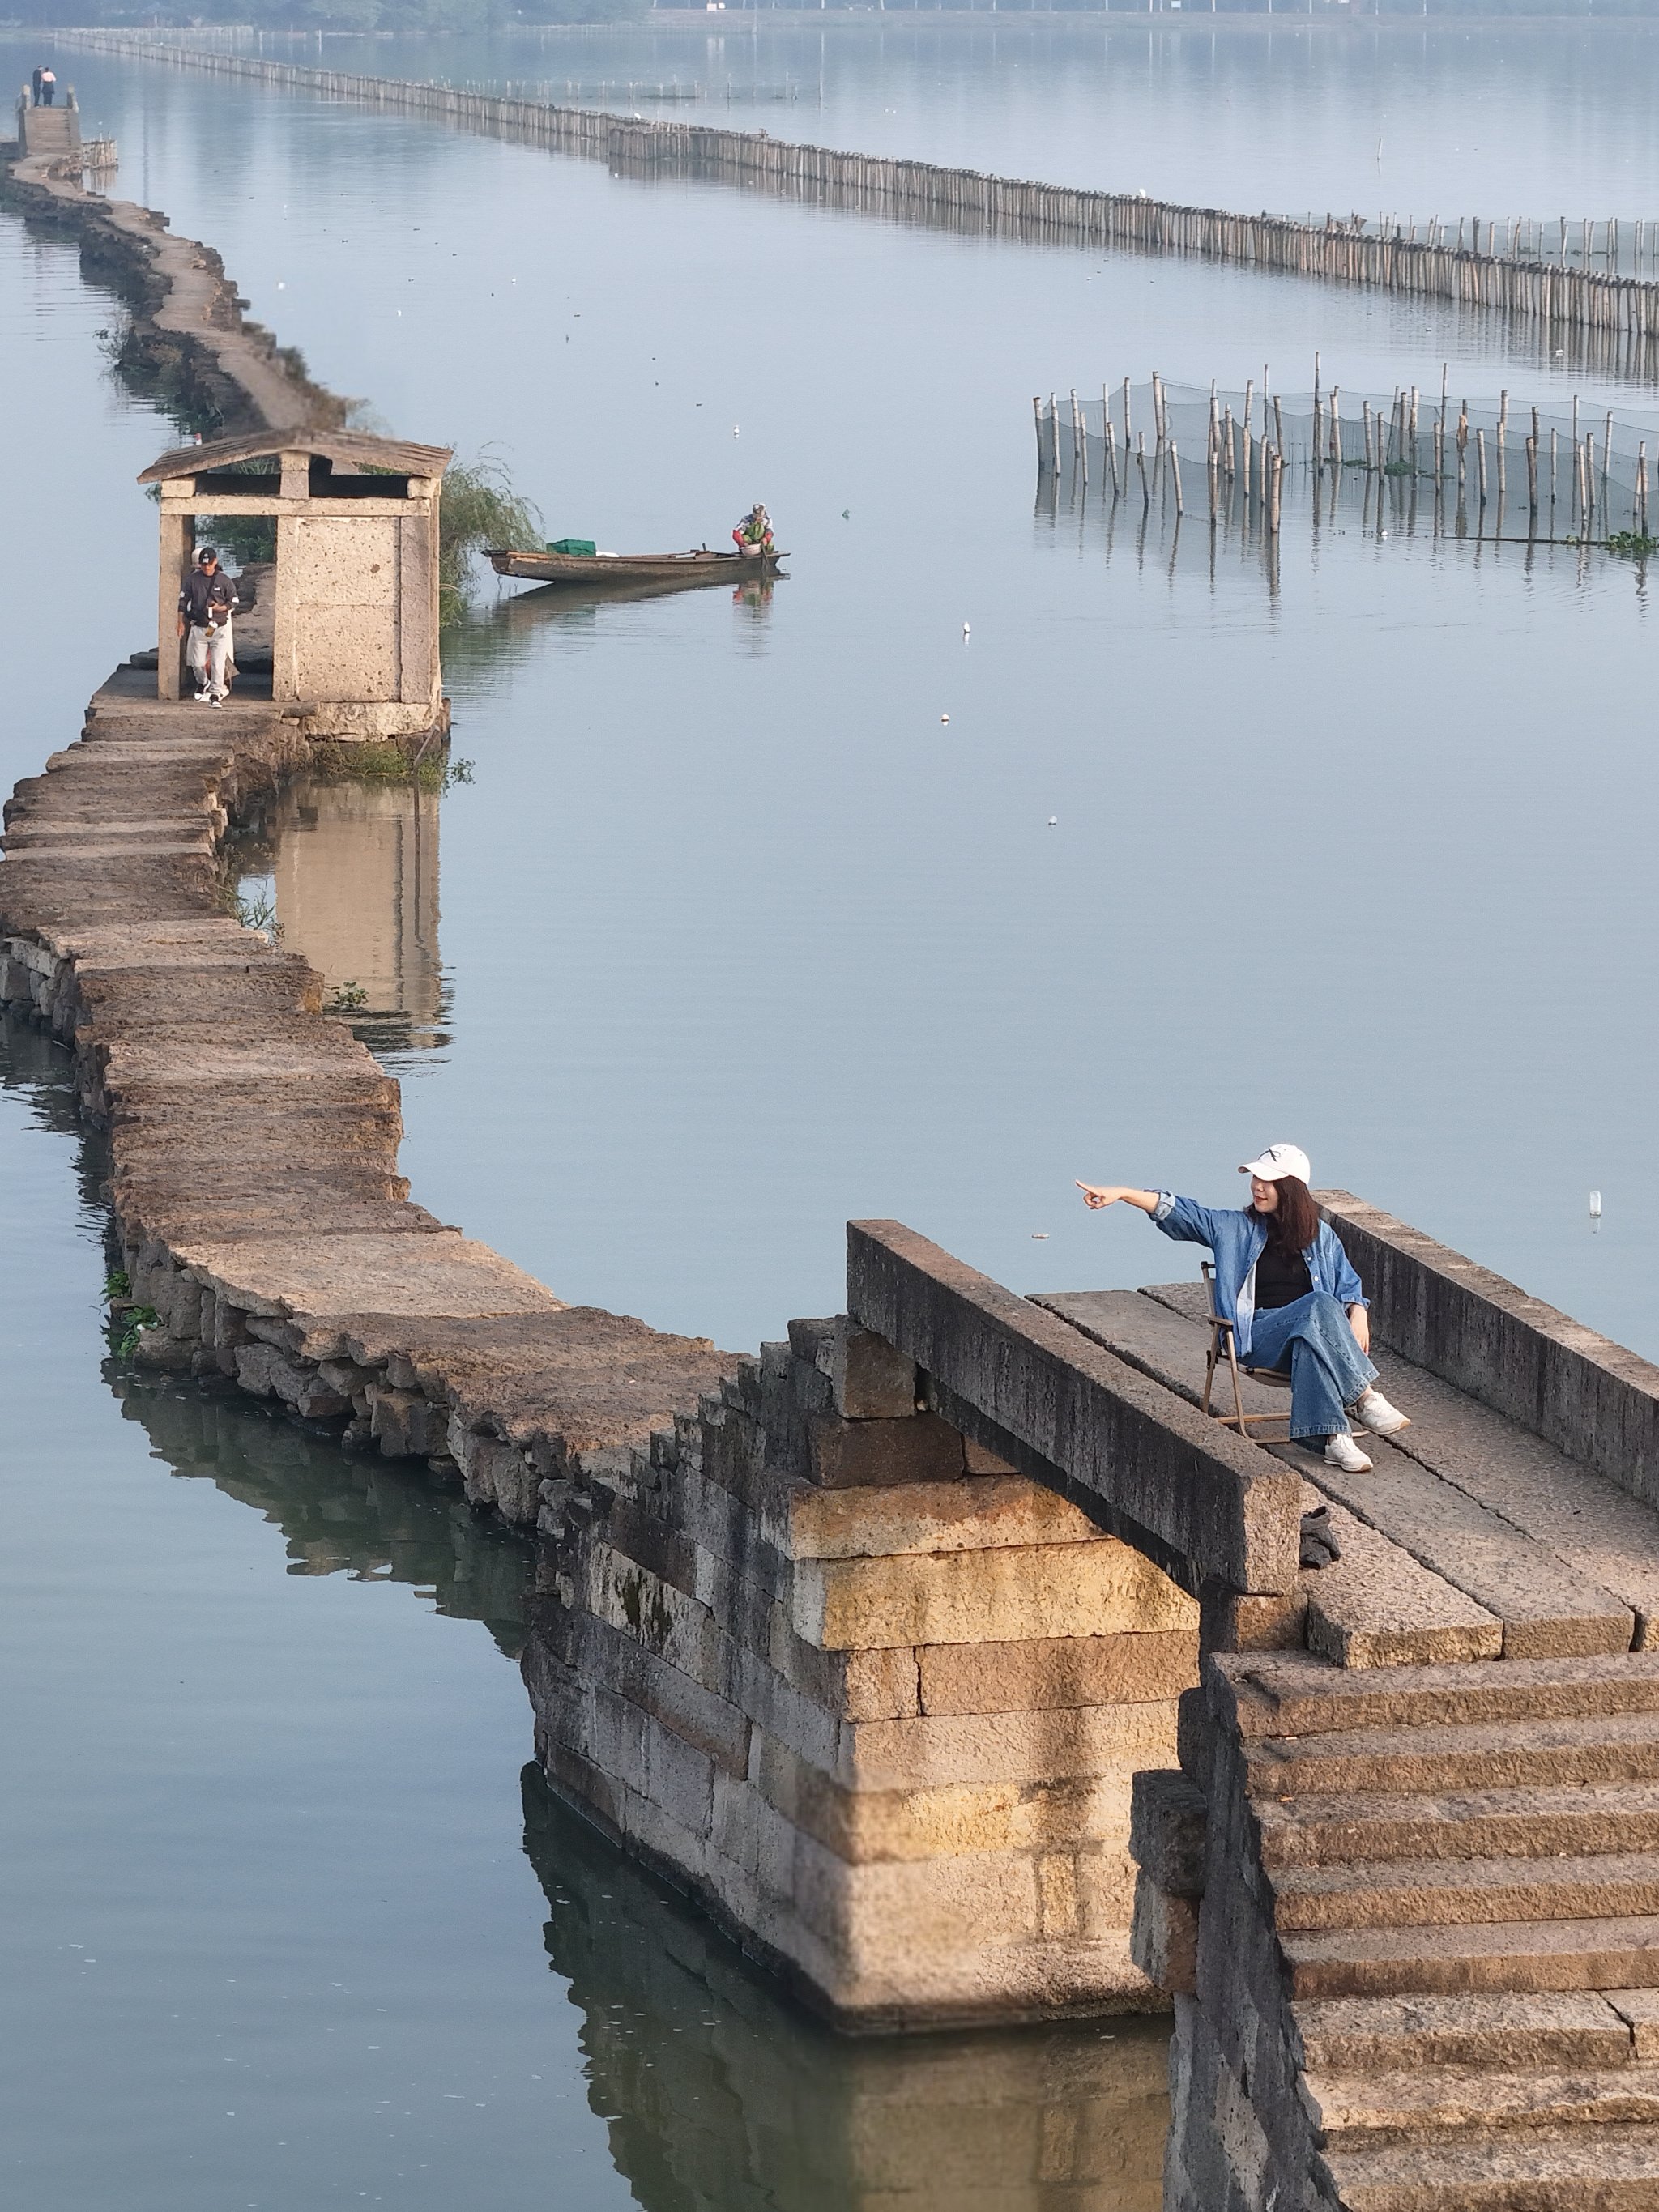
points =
(207, 553)
(1277, 1161)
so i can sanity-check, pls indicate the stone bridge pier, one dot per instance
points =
(965, 1671)
(869, 1651)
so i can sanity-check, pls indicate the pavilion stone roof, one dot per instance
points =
(353, 448)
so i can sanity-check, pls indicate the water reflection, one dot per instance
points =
(364, 1517)
(720, 2095)
(351, 871)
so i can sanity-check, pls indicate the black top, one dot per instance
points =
(1280, 1280)
(206, 600)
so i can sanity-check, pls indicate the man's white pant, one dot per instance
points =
(206, 652)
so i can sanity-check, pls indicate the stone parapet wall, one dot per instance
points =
(874, 1697)
(1575, 1388)
(1223, 1516)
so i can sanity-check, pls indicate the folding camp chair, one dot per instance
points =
(1222, 1348)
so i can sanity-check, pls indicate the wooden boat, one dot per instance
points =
(666, 570)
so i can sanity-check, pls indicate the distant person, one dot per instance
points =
(1290, 1289)
(48, 87)
(205, 607)
(754, 533)
(35, 83)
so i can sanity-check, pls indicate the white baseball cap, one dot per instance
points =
(1280, 1160)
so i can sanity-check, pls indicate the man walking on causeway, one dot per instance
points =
(1285, 1282)
(205, 606)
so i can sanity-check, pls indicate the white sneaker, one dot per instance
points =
(1373, 1411)
(202, 699)
(1344, 1452)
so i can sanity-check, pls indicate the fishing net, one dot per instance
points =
(1564, 470)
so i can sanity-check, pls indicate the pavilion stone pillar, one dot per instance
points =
(873, 1695)
(172, 568)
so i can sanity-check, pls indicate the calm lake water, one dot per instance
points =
(736, 935)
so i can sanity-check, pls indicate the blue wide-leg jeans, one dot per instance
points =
(1329, 1371)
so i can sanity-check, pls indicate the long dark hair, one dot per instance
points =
(1294, 1222)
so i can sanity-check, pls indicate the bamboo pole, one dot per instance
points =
(1592, 295)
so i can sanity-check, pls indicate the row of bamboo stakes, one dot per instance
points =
(1237, 458)
(1526, 238)
(1433, 266)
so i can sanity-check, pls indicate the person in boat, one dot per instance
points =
(754, 533)
(1290, 1292)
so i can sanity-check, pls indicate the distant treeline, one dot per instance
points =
(481, 14)
(321, 14)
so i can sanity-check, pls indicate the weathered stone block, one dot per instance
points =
(405, 1424)
(1229, 1621)
(493, 1472)
(861, 1825)
(1164, 1938)
(1168, 1831)
(1057, 1897)
(1105, 1884)
(230, 1324)
(979, 1459)
(1005, 1595)
(662, 1618)
(1053, 1672)
(159, 1349)
(733, 1828)
(679, 1776)
(880, 1685)
(968, 1514)
(872, 1381)
(316, 1401)
(883, 1911)
(844, 1454)
(940, 1751)
(1194, 1737)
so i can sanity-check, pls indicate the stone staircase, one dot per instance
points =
(1462, 1870)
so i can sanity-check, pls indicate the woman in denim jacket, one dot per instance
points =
(1285, 1282)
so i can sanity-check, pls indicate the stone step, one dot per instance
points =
(1351, 2112)
(1571, 2033)
(1293, 1693)
(1444, 1960)
(1473, 1824)
(1608, 2169)
(1506, 1756)
(1463, 1893)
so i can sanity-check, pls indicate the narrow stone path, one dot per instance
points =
(254, 1176)
(257, 1205)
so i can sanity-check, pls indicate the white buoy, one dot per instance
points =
(964, 629)
(1595, 1206)
(1053, 821)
